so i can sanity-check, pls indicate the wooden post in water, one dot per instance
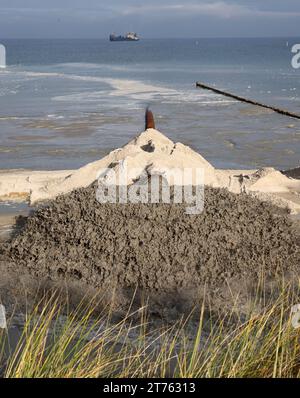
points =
(248, 101)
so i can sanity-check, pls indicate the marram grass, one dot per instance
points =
(79, 345)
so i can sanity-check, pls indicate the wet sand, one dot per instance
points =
(170, 256)
(78, 249)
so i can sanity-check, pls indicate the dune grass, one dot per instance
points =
(57, 344)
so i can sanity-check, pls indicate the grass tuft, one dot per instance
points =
(77, 344)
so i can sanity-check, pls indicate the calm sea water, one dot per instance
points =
(64, 103)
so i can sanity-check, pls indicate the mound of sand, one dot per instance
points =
(157, 247)
(151, 150)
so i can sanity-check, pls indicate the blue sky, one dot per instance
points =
(152, 18)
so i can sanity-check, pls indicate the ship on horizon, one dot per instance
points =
(130, 36)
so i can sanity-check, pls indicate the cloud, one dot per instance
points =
(75, 14)
(219, 9)
(92, 18)
(214, 9)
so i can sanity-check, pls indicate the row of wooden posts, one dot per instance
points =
(248, 101)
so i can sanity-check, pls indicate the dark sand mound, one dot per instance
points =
(155, 246)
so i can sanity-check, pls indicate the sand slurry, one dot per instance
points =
(170, 256)
(157, 247)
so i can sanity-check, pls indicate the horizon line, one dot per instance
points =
(152, 38)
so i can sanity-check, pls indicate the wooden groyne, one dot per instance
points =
(248, 101)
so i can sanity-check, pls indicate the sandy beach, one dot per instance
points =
(150, 198)
(156, 248)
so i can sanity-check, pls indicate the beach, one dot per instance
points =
(70, 126)
(129, 262)
(68, 214)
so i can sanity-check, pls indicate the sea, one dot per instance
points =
(65, 103)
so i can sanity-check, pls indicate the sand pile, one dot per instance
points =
(151, 151)
(155, 246)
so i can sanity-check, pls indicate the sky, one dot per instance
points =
(150, 19)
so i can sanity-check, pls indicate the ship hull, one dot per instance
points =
(122, 39)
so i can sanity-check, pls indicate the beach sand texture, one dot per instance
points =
(167, 254)
(170, 256)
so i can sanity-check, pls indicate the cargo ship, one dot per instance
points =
(128, 37)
